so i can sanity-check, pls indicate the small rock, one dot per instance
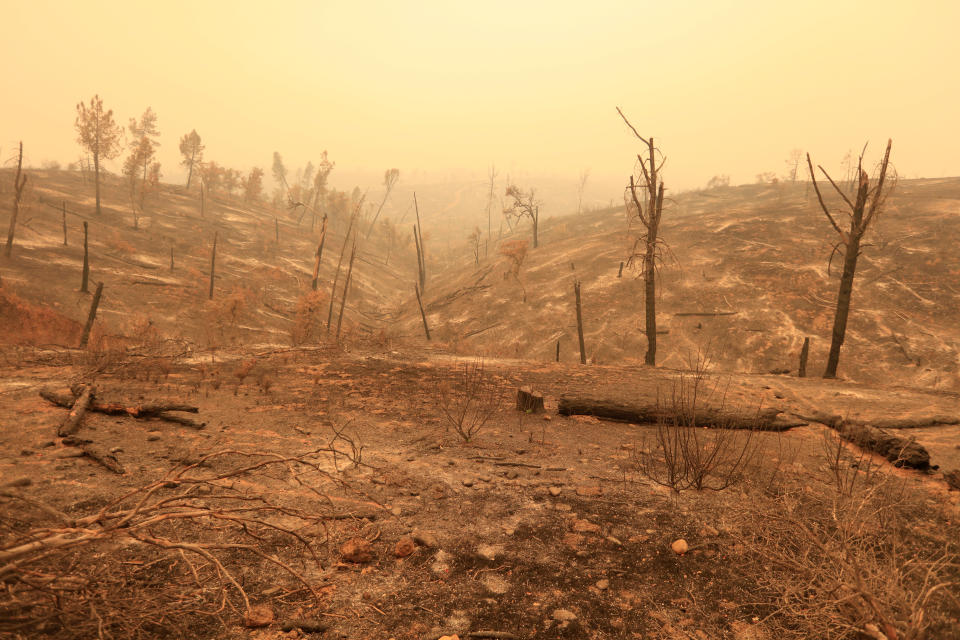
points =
(18, 482)
(485, 478)
(585, 526)
(153, 437)
(489, 552)
(47, 443)
(513, 474)
(405, 546)
(467, 482)
(614, 541)
(258, 616)
(563, 615)
(680, 546)
(495, 585)
(555, 491)
(603, 584)
(397, 511)
(357, 550)
(453, 637)
(425, 539)
(116, 450)
(589, 492)
(547, 417)
(708, 532)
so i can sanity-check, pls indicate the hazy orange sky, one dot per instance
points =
(725, 87)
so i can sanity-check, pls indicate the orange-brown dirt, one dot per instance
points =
(539, 517)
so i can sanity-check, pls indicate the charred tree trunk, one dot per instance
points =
(583, 350)
(316, 266)
(64, 223)
(92, 316)
(423, 315)
(346, 286)
(19, 182)
(336, 277)
(96, 173)
(86, 262)
(213, 261)
(804, 354)
(653, 184)
(639, 413)
(861, 213)
(421, 249)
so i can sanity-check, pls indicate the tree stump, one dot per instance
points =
(529, 401)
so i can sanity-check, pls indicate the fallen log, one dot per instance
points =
(78, 407)
(155, 410)
(903, 452)
(636, 413)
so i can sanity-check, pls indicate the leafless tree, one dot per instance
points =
(653, 190)
(19, 182)
(390, 177)
(491, 177)
(581, 185)
(524, 205)
(863, 209)
(794, 158)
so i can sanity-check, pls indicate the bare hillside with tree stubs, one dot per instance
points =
(258, 440)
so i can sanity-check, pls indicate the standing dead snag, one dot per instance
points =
(213, 263)
(316, 266)
(423, 315)
(863, 210)
(653, 188)
(421, 250)
(583, 350)
(93, 315)
(346, 285)
(86, 262)
(19, 182)
(525, 205)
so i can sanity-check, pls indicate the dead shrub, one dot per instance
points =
(842, 553)
(685, 455)
(470, 399)
(172, 558)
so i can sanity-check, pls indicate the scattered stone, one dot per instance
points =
(397, 511)
(589, 491)
(405, 546)
(357, 550)
(585, 526)
(495, 585)
(116, 450)
(555, 491)
(563, 615)
(47, 443)
(453, 637)
(603, 584)
(485, 478)
(425, 539)
(573, 540)
(708, 532)
(562, 506)
(680, 546)
(513, 474)
(614, 541)
(153, 437)
(489, 552)
(467, 482)
(18, 482)
(258, 616)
